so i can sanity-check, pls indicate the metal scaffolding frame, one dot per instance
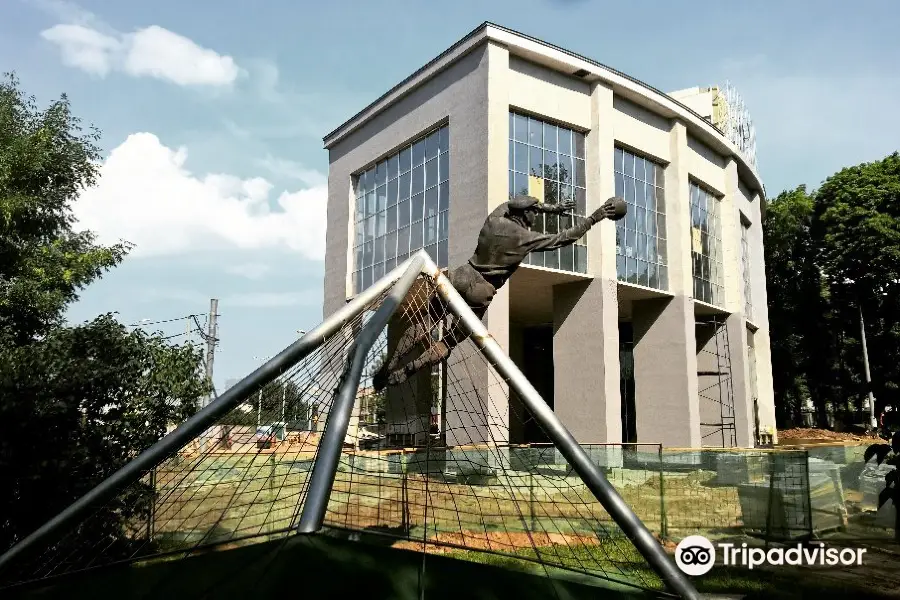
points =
(721, 390)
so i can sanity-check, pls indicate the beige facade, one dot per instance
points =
(612, 303)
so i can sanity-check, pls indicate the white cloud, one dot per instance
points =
(85, 48)
(160, 53)
(148, 52)
(146, 195)
(249, 270)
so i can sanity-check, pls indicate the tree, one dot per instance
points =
(858, 233)
(268, 404)
(802, 353)
(858, 218)
(829, 255)
(45, 159)
(76, 403)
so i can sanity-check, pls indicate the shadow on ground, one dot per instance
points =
(311, 566)
(331, 567)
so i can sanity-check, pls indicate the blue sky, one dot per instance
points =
(213, 113)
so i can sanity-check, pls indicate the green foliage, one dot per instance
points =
(828, 254)
(76, 403)
(45, 160)
(75, 407)
(858, 212)
(267, 406)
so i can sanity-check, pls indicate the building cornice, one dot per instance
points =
(559, 59)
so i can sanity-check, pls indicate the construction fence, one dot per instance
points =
(482, 497)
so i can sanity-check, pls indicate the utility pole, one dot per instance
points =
(862, 331)
(211, 332)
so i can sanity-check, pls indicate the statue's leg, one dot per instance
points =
(413, 335)
(439, 350)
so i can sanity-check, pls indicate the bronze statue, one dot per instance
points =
(505, 240)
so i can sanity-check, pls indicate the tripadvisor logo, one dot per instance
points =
(696, 555)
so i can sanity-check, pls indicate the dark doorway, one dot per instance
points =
(537, 362)
(626, 382)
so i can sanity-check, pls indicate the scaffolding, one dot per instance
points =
(715, 383)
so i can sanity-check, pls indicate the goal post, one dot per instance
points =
(174, 499)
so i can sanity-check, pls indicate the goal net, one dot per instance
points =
(429, 464)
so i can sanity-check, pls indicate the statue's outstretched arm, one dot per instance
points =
(612, 208)
(542, 242)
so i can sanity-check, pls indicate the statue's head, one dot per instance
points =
(524, 210)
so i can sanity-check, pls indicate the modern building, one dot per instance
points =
(650, 329)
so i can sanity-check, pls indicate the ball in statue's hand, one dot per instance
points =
(621, 209)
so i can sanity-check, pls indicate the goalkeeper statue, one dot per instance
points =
(505, 240)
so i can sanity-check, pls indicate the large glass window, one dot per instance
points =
(641, 235)
(745, 269)
(547, 161)
(706, 246)
(402, 206)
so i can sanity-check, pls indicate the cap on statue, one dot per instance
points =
(523, 202)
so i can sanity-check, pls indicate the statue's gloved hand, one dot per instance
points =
(562, 207)
(606, 211)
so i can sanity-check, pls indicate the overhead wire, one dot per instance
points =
(173, 320)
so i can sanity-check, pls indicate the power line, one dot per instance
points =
(197, 328)
(169, 337)
(144, 324)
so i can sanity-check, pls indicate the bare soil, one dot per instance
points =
(497, 541)
(810, 434)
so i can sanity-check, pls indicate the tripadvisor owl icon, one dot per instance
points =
(695, 555)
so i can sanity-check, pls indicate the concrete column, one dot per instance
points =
(765, 393)
(665, 359)
(734, 304)
(585, 328)
(408, 406)
(665, 375)
(732, 279)
(516, 408)
(478, 400)
(586, 360)
(477, 397)
(678, 214)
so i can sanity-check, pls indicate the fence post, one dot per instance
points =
(663, 519)
(772, 457)
(151, 518)
(808, 493)
(404, 495)
(531, 499)
(272, 499)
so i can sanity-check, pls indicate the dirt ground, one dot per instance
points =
(808, 434)
(497, 541)
(504, 541)
(879, 573)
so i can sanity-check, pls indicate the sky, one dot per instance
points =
(212, 114)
